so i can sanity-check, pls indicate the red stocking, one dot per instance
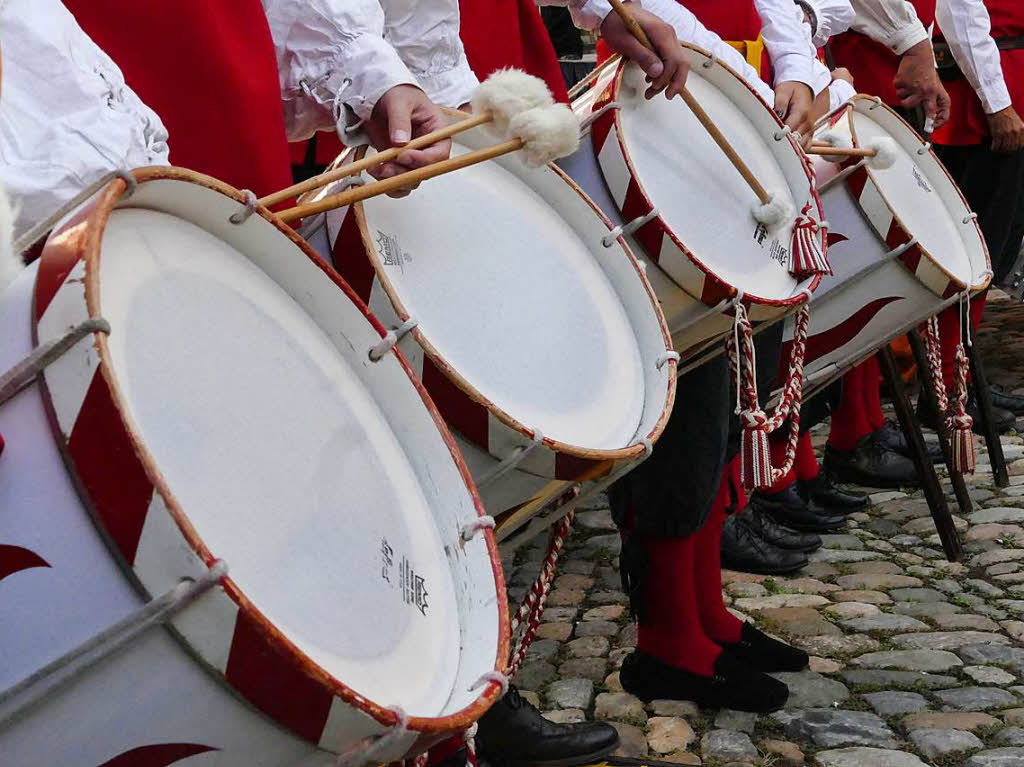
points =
(849, 422)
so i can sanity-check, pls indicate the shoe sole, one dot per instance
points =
(669, 696)
(763, 571)
(573, 761)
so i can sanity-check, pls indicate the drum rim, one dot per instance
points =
(85, 245)
(584, 462)
(954, 285)
(724, 290)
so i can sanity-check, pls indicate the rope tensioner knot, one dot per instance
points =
(470, 529)
(665, 357)
(248, 208)
(390, 339)
(491, 677)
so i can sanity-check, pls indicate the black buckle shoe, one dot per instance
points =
(514, 734)
(761, 652)
(871, 466)
(891, 437)
(1003, 399)
(746, 552)
(734, 685)
(766, 528)
(823, 493)
(789, 509)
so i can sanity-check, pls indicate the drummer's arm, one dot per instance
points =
(967, 27)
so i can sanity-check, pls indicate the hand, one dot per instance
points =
(794, 104)
(403, 113)
(917, 83)
(842, 73)
(1007, 130)
(666, 67)
(822, 106)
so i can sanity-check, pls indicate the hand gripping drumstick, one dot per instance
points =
(543, 133)
(769, 213)
(496, 100)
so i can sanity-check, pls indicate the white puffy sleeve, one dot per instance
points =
(967, 28)
(893, 23)
(425, 33)
(331, 54)
(66, 115)
(831, 17)
(788, 40)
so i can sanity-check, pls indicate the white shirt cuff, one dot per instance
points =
(452, 88)
(589, 14)
(790, 67)
(994, 97)
(369, 67)
(905, 38)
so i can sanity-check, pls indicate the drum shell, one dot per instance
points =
(48, 610)
(69, 554)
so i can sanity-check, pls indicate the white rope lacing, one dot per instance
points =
(665, 357)
(32, 236)
(781, 134)
(710, 61)
(626, 229)
(901, 249)
(471, 529)
(491, 677)
(589, 120)
(368, 750)
(841, 175)
(392, 337)
(511, 461)
(248, 208)
(25, 372)
(925, 148)
(20, 697)
(969, 218)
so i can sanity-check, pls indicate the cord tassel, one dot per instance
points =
(960, 424)
(755, 458)
(808, 252)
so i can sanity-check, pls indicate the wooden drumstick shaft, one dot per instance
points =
(702, 117)
(405, 179)
(827, 150)
(316, 182)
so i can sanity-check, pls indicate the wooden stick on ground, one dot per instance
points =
(709, 125)
(405, 179)
(316, 182)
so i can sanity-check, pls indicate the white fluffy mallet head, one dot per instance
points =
(838, 140)
(507, 93)
(885, 155)
(774, 213)
(10, 262)
(547, 132)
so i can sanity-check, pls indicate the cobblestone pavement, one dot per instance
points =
(914, 660)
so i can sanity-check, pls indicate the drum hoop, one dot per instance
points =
(64, 249)
(954, 285)
(726, 290)
(580, 461)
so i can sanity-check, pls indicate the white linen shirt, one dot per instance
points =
(66, 115)
(967, 27)
(347, 53)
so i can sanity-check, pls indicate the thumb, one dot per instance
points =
(645, 58)
(399, 121)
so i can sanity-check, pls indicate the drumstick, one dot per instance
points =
(545, 134)
(827, 150)
(702, 117)
(330, 176)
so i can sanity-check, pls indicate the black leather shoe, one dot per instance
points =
(789, 509)
(871, 466)
(734, 684)
(514, 734)
(891, 437)
(746, 552)
(823, 493)
(1003, 399)
(765, 527)
(761, 652)
(1003, 420)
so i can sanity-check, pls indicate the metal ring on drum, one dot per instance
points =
(543, 346)
(232, 412)
(703, 248)
(903, 243)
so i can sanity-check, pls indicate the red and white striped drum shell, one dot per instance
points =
(651, 162)
(538, 335)
(903, 243)
(232, 414)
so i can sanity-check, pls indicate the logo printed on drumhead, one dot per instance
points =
(411, 587)
(920, 180)
(391, 253)
(776, 250)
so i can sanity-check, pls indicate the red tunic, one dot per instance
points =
(967, 123)
(509, 33)
(210, 71)
(872, 64)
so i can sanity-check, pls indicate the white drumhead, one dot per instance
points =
(699, 195)
(920, 194)
(514, 300)
(281, 458)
